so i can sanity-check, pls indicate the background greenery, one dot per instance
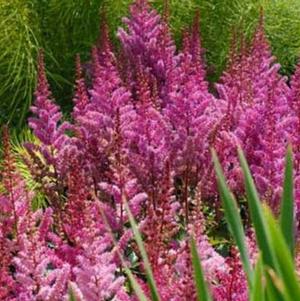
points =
(66, 27)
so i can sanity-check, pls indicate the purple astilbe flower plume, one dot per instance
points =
(148, 38)
(257, 118)
(95, 274)
(294, 104)
(97, 125)
(149, 142)
(39, 272)
(212, 262)
(45, 124)
(81, 98)
(14, 203)
(192, 112)
(31, 269)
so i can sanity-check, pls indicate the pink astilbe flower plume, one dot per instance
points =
(192, 112)
(195, 47)
(46, 157)
(39, 272)
(212, 262)
(149, 142)
(148, 38)
(10, 206)
(46, 123)
(96, 272)
(257, 118)
(161, 223)
(96, 126)
(294, 98)
(81, 98)
(122, 186)
(32, 270)
(232, 284)
(104, 44)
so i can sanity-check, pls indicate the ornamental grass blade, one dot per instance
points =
(260, 226)
(257, 292)
(257, 215)
(285, 266)
(274, 287)
(71, 295)
(233, 217)
(139, 241)
(201, 285)
(287, 215)
(135, 285)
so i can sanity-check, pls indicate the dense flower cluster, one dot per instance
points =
(142, 127)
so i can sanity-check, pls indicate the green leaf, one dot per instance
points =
(257, 292)
(233, 218)
(273, 289)
(287, 217)
(201, 285)
(257, 215)
(135, 285)
(285, 267)
(138, 238)
(260, 226)
(71, 295)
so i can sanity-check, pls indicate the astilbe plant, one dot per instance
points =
(258, 117)
(148, 39)
(191, 111)
(140, 135)
(32, 269)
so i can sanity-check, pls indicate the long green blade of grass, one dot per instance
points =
(257, 292)
(256, 212)
(201, 285)
(233, 218)
(284, 259)
(135, 285)
(287, 217)
(71, 295)
(261, 228)
(138, 238)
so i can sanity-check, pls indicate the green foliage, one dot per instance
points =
(19, 42)
(274, 276)
(276, 262)
(19, 151)
(233, 218)
(220, 18)
(138, 237)
(287, 216)
(200, 283)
